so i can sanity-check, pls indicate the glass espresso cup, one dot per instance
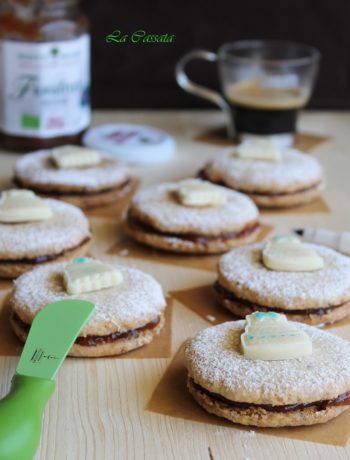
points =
(264, 84)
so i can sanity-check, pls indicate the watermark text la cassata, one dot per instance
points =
(139, 36)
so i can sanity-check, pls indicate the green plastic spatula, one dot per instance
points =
(51, 335)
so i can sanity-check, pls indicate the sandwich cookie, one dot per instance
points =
(129, 304)
(269, 176)
(309, 283)
(192, 216)
(269, 372)
(77, 175)
(35, 231)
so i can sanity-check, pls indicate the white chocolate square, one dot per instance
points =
(73, 156)
(258, 150)
(23, 206)
(86, 275)
(291, 255)
(269, 337)
(272, 318)
(199, 193)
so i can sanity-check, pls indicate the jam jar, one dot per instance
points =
(44, 73)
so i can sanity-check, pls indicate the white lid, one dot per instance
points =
(131, 143)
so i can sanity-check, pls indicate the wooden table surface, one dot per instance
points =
(97, 411)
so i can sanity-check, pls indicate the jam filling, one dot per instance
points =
(193, 237)
(308, 311)
(42, 259)
(341, 400)
(95, 340)
(202, 174)
(74, 192)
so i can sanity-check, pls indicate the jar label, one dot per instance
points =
(44, 87)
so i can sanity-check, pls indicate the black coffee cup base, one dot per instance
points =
(264, 121)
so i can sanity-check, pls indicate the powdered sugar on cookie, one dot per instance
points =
(215, 362)
(66, 229)
(294, 172)
(158, 207)
(37, 169)
(137, 300)
(242, 272)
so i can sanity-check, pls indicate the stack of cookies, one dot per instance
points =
(269, 372)
(129, 304)
(80, 176)
(271, 177)
(44, 236)
(36, 231)
(192, 216)
(307, 282)
(266, 369)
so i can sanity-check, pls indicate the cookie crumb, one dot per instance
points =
(124, 252)
(247, 434)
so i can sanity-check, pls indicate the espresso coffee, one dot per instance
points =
(258, 107)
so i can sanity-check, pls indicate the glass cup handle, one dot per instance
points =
(199, 90)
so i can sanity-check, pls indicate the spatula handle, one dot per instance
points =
(21, 413)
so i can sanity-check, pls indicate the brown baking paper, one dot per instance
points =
(303, 141)
(317, 206)
(5, 285)
(202, 300)
(160, 347)
(9, 344)
(171, 398)
(126, 246)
